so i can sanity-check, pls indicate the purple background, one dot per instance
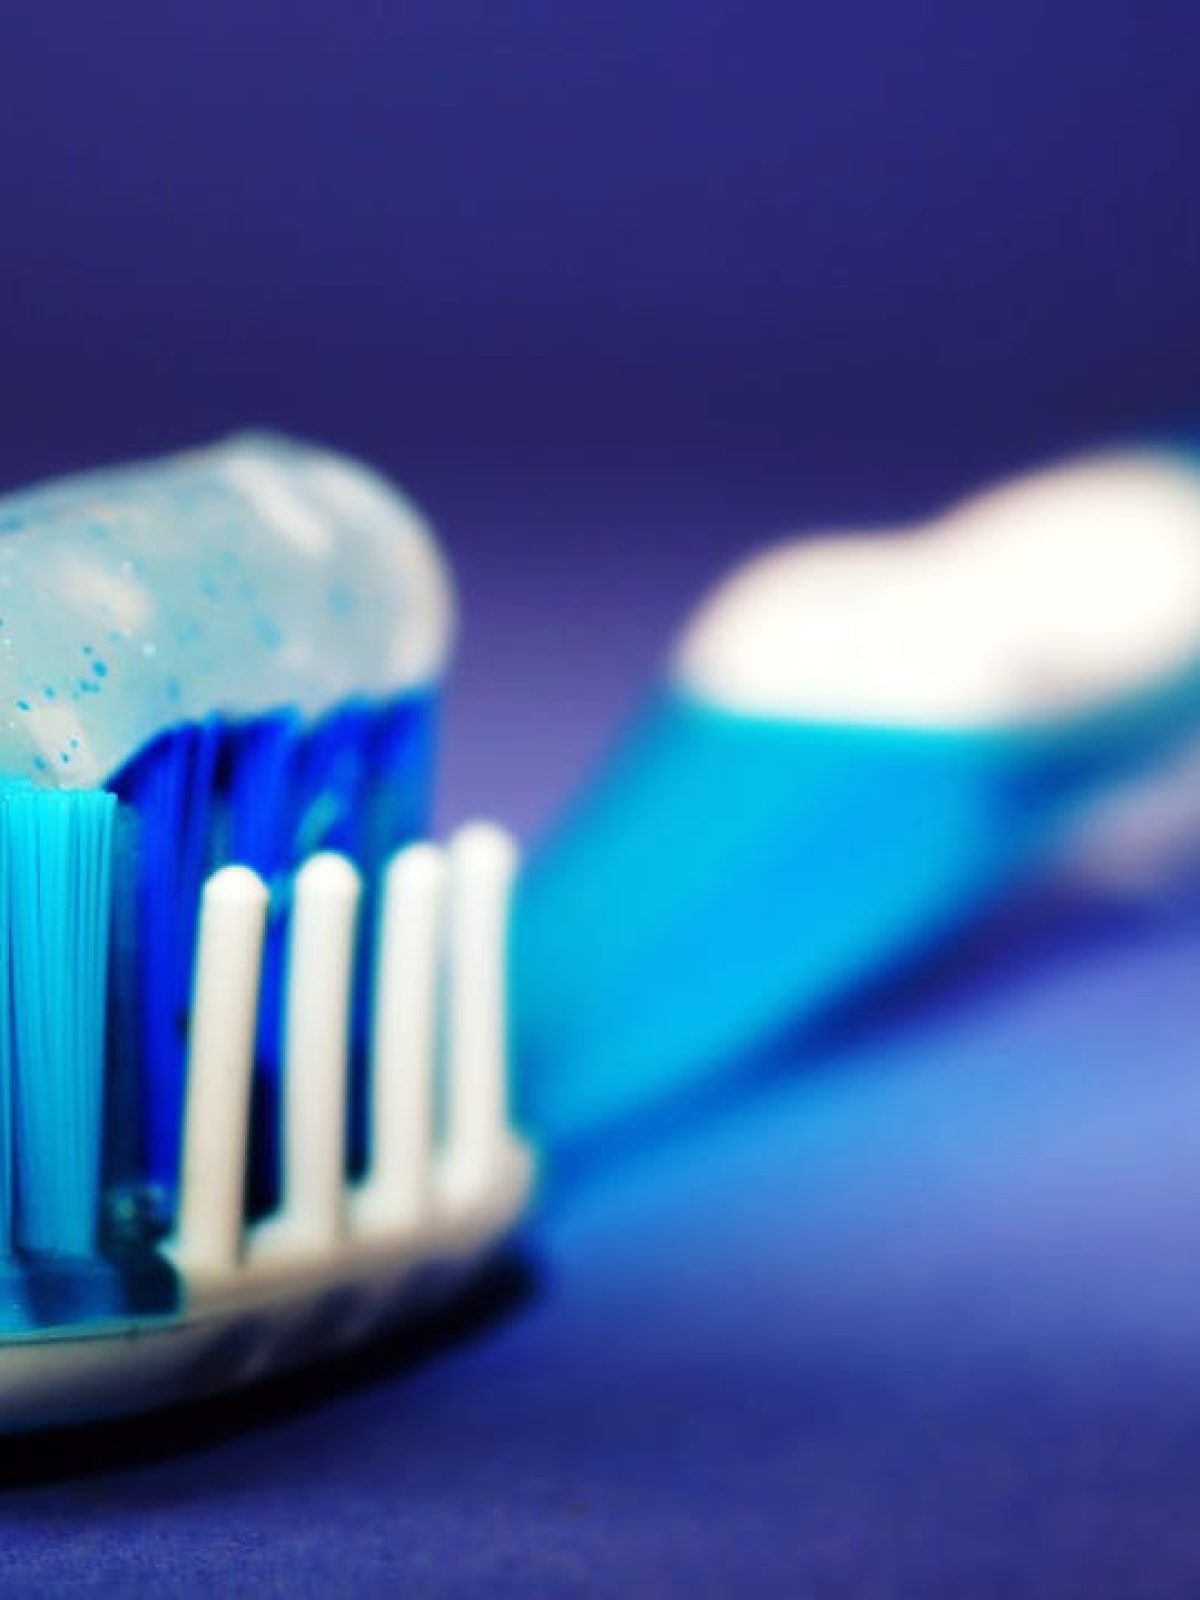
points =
(618, 291)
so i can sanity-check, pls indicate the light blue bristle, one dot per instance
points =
(8, 1074)
(56, 910)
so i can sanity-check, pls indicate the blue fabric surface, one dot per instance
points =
(919, 1315)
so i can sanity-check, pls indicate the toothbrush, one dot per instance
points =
(254, 1088)
(252, 1044)
(860, 743)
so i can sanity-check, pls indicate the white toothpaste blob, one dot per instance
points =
(250, 576)
(1039, 599)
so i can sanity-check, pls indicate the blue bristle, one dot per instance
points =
(171, 787)
(261, 766)
(8, 1072)
(57, 909)
(403, 741)
(333, 780)
(264, 792)
(259, 762)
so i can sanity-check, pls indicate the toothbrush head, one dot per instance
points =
(253, 1095)
(447, 1181)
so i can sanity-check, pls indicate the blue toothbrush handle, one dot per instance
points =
(731, 875)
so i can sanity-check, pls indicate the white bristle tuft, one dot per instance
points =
(403, 1041)
(316, 1047)
(482, 864)
(220, 1065)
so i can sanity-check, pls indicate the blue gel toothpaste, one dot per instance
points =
(231, 655)
(861, 740)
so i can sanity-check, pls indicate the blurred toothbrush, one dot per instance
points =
(862, 741)
(254, 1089)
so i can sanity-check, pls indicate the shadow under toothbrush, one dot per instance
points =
(64, 1455)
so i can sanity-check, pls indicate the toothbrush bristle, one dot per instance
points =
(265, 793)
(170, 790)
(56, 907)
(8, 1070)
(258, 778)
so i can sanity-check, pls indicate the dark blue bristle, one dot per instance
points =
(403, 740)
(171, 788)
(334, 775)
(263, 799)
(266, 793)
(258, 779)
